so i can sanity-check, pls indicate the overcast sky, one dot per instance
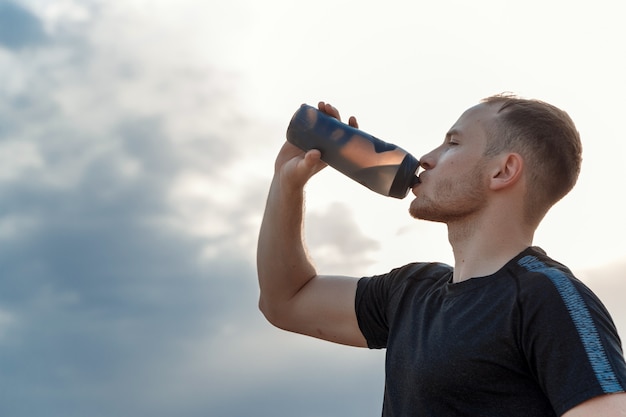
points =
(137, 140)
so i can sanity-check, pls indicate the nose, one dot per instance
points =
(427, 161)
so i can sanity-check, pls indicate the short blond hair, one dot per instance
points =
(548, 141)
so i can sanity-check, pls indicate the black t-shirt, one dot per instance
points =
(529, 340)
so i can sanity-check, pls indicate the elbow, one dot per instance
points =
(272, 314)
(264, 309)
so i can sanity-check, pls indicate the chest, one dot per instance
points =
(457, 345)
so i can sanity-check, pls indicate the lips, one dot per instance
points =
(415, 187)
(419, 179)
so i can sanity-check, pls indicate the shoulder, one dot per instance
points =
(541, 276)
(399, 279)
(535, 263)
(379, 297)
(550, 294)
(566, 332)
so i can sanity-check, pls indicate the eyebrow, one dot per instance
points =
(452, 132)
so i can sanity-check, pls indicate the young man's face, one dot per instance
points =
(454, 181)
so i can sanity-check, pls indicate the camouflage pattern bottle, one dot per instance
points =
(380, 166)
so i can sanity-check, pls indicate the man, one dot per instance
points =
(507, 331)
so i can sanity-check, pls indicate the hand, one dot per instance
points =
(332, 111)
(295, 166)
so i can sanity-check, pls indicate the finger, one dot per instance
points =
(329, 110)
(352, 122)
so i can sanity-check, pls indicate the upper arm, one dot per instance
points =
(324, 308)
(608, 405)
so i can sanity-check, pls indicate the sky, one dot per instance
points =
(137, 141)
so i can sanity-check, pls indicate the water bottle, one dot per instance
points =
(380, 166)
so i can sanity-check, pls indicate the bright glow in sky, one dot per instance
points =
(137, 141)
(407, 72)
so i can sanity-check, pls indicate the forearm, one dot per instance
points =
(282, 263)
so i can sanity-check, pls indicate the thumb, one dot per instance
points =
(312, 157)
(311, 163)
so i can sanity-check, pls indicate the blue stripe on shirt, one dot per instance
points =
(582, 320)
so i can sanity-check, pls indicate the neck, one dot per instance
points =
(481, 248)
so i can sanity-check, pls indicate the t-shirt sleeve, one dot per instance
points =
(569, 340)
(376, 303)
(378, 298)
(371, 310)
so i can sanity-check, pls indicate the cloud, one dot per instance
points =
(19, 28)
(100, 297)
(337, 242)
(132, 183)
(127, 241)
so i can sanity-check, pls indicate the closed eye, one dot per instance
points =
(452, 138)
(452, 142)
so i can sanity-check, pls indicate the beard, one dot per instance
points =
(454, 199)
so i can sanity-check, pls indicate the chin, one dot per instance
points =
(419, 210)
(416, 211)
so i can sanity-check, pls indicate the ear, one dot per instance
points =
(507, 171)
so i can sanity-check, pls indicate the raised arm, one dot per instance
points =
(293, 297)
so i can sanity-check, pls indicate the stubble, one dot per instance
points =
(452, 200)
